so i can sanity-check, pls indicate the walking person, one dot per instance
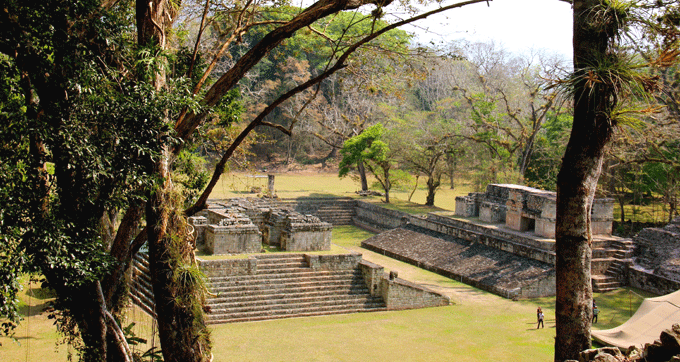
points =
(595, 313)
(539, 315)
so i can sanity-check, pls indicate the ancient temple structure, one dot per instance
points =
(525, 208)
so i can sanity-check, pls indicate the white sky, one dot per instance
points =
(517, 25)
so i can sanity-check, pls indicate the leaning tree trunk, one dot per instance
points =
(576, 184)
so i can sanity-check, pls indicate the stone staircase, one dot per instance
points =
(616, 259)
(284, 287)
(337, 211)
(141, 291)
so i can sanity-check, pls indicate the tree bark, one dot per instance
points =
(181, 327)
(576, 185)
(362, 175)
(432, 185)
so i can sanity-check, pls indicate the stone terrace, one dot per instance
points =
(482, 266)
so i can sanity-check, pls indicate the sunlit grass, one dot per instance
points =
(654, 212)
(292, 185)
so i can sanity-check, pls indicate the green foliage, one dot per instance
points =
(340, 31)
(68, 101)
(546, 159)
(367, 147)
(190, 172)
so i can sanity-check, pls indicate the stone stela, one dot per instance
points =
(523, 208)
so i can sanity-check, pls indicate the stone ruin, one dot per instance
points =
(658, 249)
(242, 226)
(523, 208)
(305, 233)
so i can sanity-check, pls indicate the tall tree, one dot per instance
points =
(604, 79)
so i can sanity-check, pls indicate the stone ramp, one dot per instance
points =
(481, 266)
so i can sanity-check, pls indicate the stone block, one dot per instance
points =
(492, 212)
(199, 223)
(232, 235)
(305, 233)
(467, 206)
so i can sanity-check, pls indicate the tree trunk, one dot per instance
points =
(181, 326)
(415, 187)
(387, 184)
(89, 314)
(432, 185)
(576, 185)
(362, 175)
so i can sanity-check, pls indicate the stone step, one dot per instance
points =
(295, 315)
(298, 294)
(144, 305)
(288, 313)
(257, 284)
(604, 283)
(292, 303)
(256, 287)
(279, 256)
(318, 288)
(284, 276)
(282, 270)
(141, 263)
(604, 253)
(282, 265)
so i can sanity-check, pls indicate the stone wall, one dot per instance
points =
(541, 288)
(525, 208)
(648, 281)
(225, 267)
(232, 236)
(376, 218)
(333, 262)
(656, 259)
(373, 275)
(514, 243)
(398, 293)
(305, 233)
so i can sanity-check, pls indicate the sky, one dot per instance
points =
(517, 25)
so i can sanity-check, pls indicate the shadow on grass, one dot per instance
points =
(33, 310)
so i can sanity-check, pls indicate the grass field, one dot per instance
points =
(330, 185)
(478, 326)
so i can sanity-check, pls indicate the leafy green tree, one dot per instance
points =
(369, 148)
(547, 157)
